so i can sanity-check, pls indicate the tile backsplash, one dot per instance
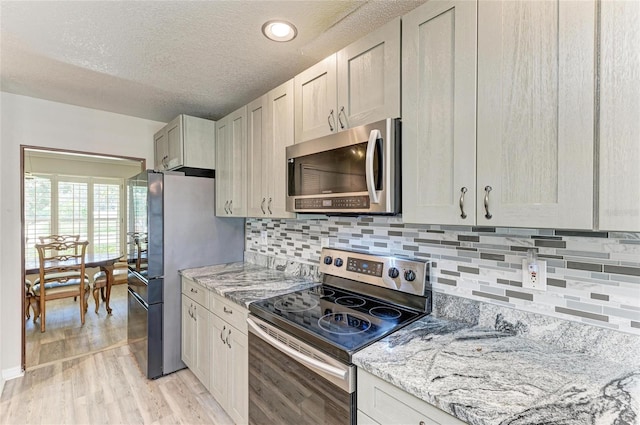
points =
(592, 277)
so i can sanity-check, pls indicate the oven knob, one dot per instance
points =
(410, 275)
(338, 262)
(393, 273)
(328, 260)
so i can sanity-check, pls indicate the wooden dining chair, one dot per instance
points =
(62, 238)
(139, 239)
(120, 275)
(62, 275)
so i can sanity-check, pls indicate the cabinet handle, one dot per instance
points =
(262, 205)
(463, 190)
(227, 339)
(190, 311)
(231, 206)
(227, 311)
(195, 317)
(164, 162)
(340, 117)
(329, 118)
(225, 207)
(487, 189)
(224, 328)
(269, 206)
(194, 290)
(421, 423)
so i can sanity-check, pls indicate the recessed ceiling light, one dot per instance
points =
(279, 30)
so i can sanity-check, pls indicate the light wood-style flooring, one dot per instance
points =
(66, 337)
(106, 388)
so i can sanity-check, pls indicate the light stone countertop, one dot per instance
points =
(244, 283)
(488, 376)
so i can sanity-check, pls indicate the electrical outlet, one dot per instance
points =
(534, 274)
(263, 237)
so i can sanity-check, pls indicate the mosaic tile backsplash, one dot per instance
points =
(592, 277)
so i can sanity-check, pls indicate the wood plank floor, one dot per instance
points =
(106, 388)
(66, 337)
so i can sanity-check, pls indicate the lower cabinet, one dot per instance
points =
(229, 382)
(380, 402)
(215, 347)
(196, 337)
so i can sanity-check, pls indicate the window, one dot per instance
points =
(65, 205)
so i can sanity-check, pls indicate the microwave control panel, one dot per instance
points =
(334, 202)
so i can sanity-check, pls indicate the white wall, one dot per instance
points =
(37, 122)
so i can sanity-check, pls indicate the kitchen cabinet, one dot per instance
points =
(185, 142)
(619, 124)
(231, 164)
(270, 131)
(535, 116)
(196, 335)
(536, 96)
(229, 358)
(439, 113)
(358, 85)
(379, 402)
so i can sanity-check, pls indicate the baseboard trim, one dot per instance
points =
(12, 373)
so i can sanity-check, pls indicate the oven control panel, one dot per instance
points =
(400, 274)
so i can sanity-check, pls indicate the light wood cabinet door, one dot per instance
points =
(258, 155)
(188, 333)
(175, 142)
(535, 113)
(219, 359)
(280, 129)
(160, 150)
(238, 379)
(439, 119)
(316, 100)
(368, 77)
(619, 125)
(223, 167)
(231, 164)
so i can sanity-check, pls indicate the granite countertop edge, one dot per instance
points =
(244, 283)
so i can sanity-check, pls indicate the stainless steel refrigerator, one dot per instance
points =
(172, 226)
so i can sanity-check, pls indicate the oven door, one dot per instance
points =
(350, 171)
(291, 382)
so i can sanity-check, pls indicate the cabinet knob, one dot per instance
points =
(342, 112)
(487, 189)
(463, 190)
(329, 119)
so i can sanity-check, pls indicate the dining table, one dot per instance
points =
(103, 261)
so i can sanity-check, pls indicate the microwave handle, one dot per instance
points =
(371, 147)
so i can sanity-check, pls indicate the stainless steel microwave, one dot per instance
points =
(355, 171)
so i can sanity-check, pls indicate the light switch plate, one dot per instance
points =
(534, 274)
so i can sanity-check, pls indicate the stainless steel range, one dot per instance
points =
(301, 344)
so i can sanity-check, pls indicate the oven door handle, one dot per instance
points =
(311, 362)
(371, 185)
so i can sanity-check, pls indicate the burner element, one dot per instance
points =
(344, 323)
(385, 312)
(350, 301)
(295, 304)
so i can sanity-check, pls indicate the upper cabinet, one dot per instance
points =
(270, 131)
(185, 142)
(231, 164)
(358, 85)
(535, 114)
(619, 125)
(536, 97)
(439, 113)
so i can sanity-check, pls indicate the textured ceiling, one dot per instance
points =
(157, 59)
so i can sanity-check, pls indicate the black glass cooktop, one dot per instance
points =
(334, 320)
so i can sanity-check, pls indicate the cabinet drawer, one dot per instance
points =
(230, 312)
(387, 404)
(195, 291)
